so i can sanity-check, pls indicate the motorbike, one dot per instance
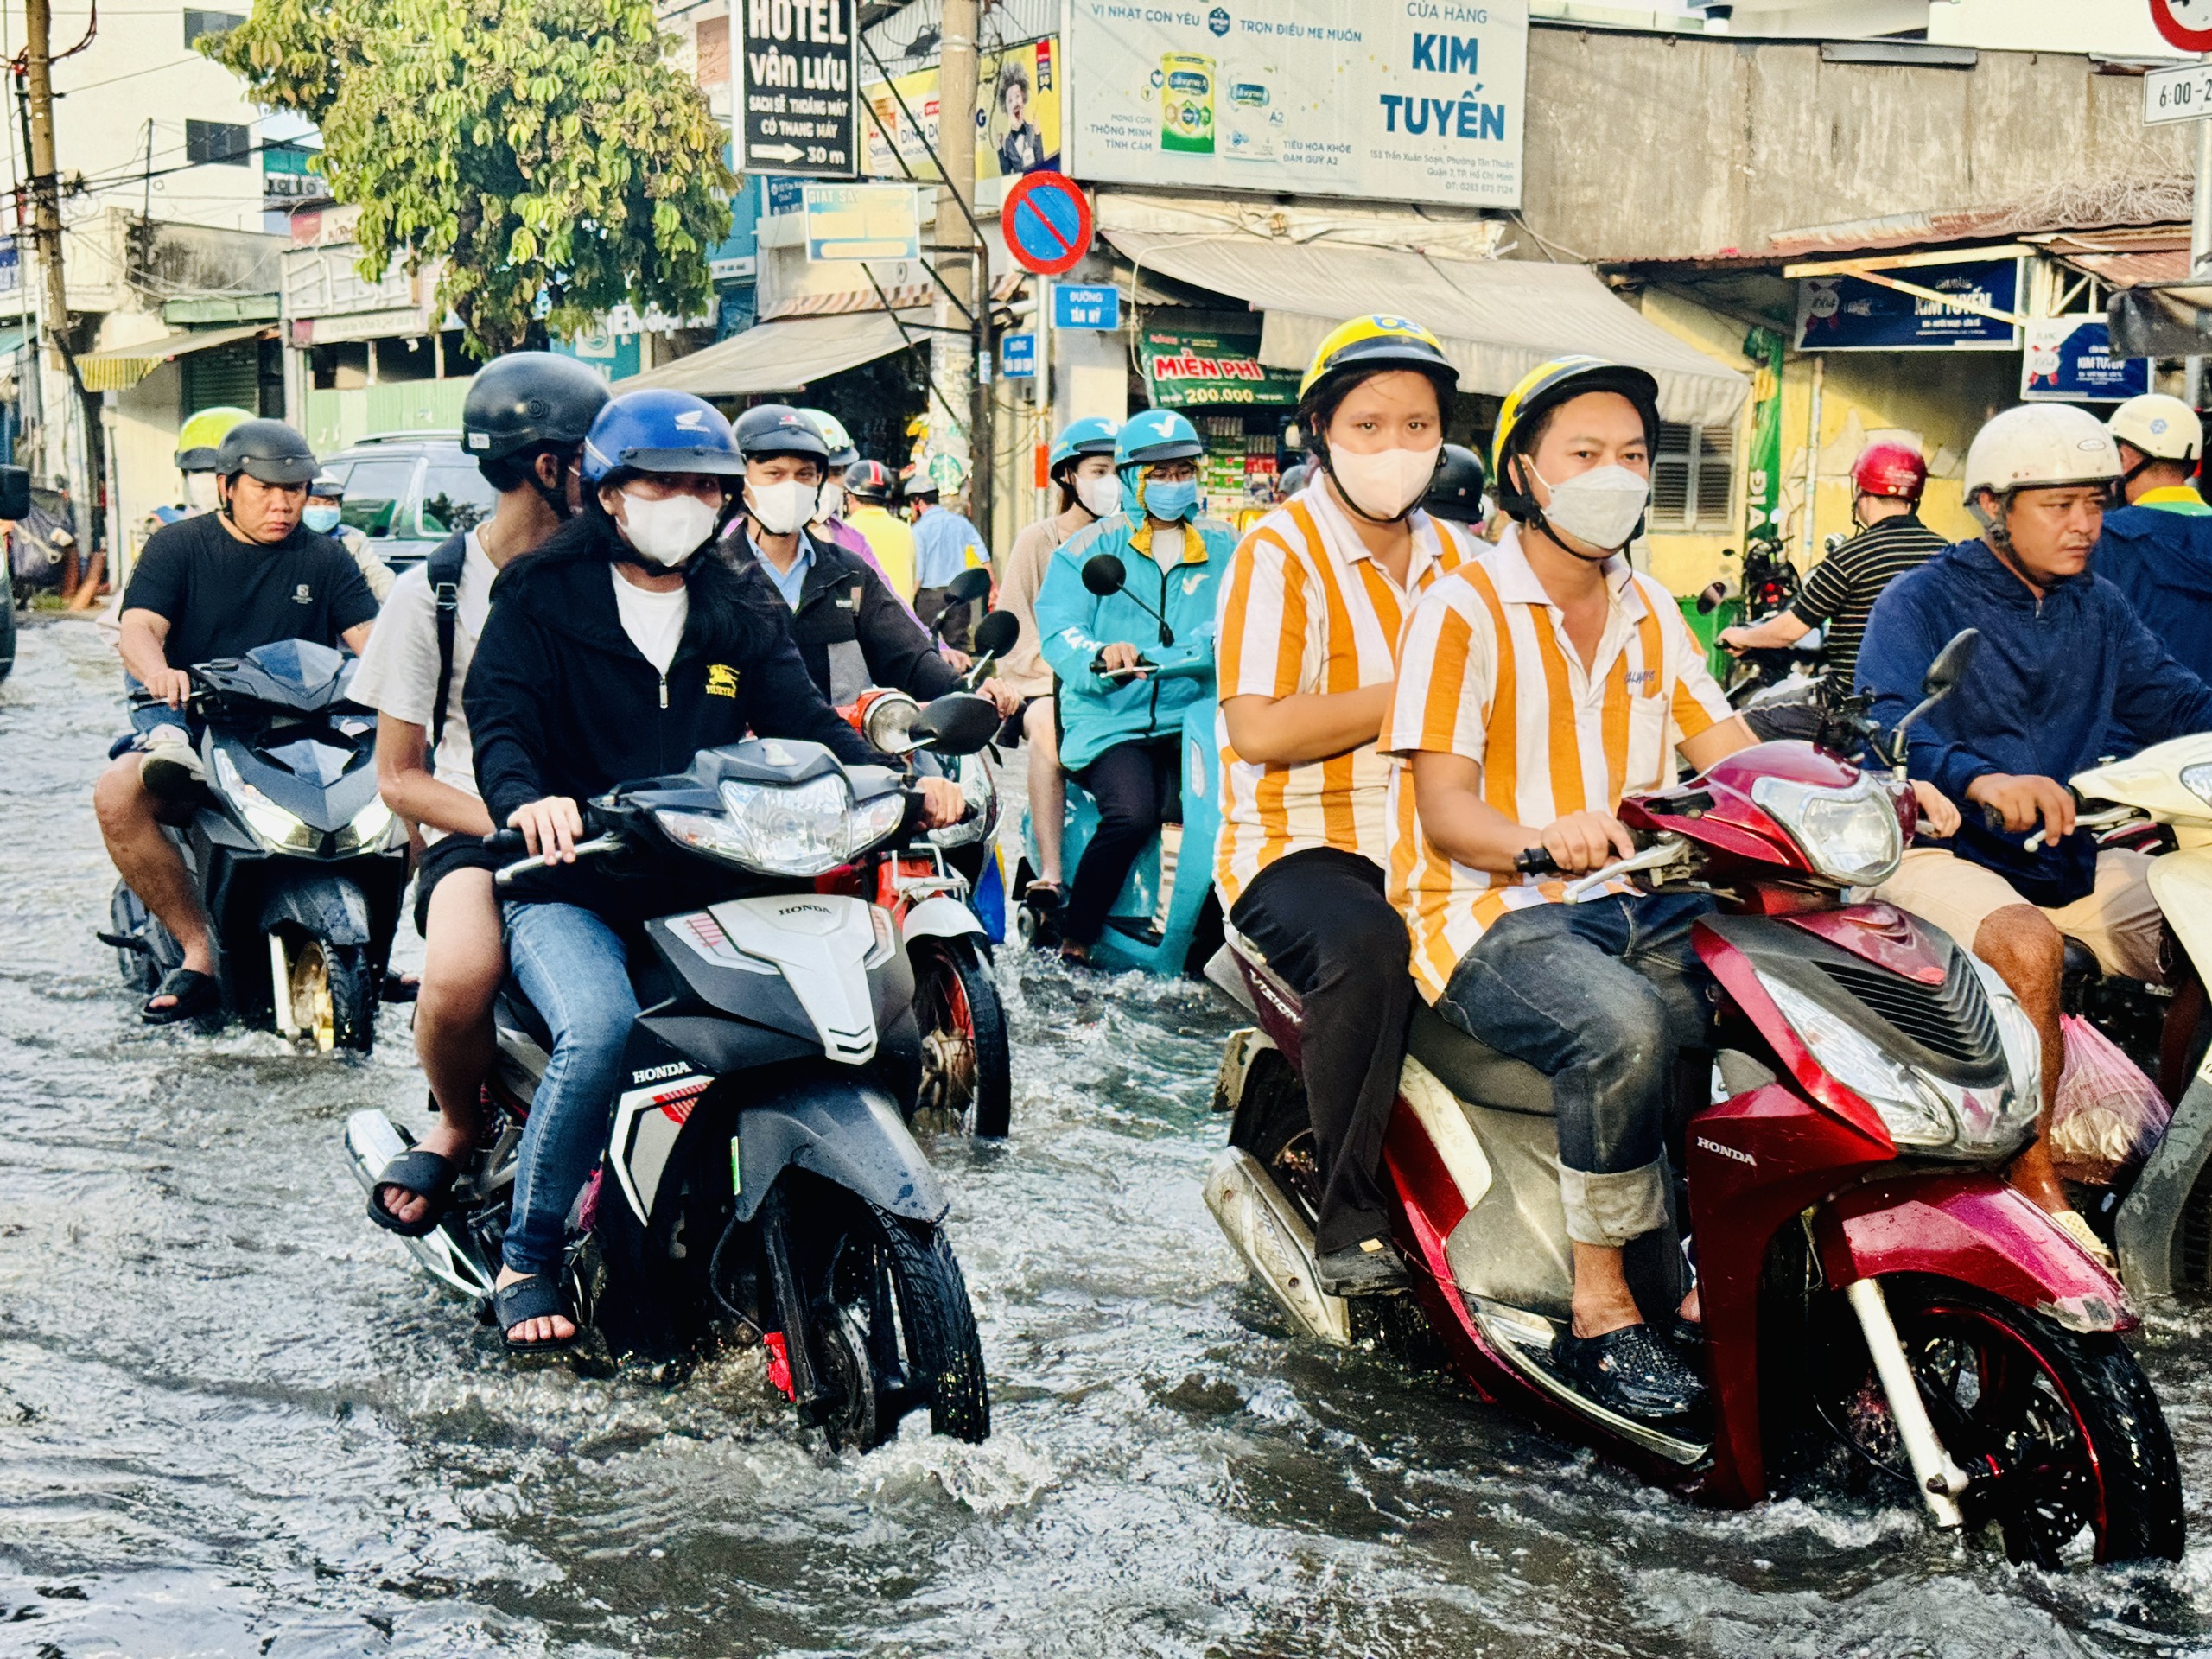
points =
(759, 1184)
(1763, 589)
(1874, 1297)
(926, 882)
(1166, 919)
(297, 859)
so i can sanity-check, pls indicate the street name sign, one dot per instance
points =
(797, 75)
(1084, 305)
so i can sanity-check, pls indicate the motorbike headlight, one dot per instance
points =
(1915, 1114)
(2197, 780)
(366, 832)
(802, 830)
(889, 721)
(1849, 834)
(282, 831)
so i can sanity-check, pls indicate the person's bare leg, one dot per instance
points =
(150, 865)
(1603, 1301)
(463, 962)
(1048, 792)
(2030, 955)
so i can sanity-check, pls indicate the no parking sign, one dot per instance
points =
(1047, 222)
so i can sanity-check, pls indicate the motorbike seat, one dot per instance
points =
(517, 1012)
(1474, 1072)
(2080, 960)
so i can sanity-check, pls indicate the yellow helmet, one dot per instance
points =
(199, 438)
(1548, 386)
(1372, 343)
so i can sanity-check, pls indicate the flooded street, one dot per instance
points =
(234, 1418)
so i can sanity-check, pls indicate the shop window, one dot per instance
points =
(209, 143)
(1693, 478)
(197, 23)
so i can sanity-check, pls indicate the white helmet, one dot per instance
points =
(2162, 427)
(2040, 446)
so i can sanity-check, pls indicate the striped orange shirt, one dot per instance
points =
(1486, 672)
(1306, 608)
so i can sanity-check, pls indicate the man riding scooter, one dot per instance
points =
(2157, 547)
(218, 585)
(1311, 609)
(2062, 656)
(1120, 726)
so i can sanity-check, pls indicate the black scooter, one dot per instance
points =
(758, 1183)
(297, 859)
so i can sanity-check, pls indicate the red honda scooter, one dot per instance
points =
(1874, 1295)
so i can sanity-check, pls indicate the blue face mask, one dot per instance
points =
(321, 520)
(1176, 499)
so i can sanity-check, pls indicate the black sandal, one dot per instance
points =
(535, 1298)
(429, 1176)
(197, 996)
(1049, 898)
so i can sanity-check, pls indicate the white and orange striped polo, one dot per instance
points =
(1305, 609)
(1486, 670)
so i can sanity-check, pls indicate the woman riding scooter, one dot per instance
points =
(1119, 722)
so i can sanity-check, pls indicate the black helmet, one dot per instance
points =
(1457, 494)
(268, 450)
(869, 480)
(526, 398)
(779, 429)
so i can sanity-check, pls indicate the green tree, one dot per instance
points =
(531, 146)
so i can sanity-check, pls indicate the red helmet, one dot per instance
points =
(1893, 469)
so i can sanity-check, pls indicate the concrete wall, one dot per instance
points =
(1670, 146)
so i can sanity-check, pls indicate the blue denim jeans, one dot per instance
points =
(573, 967)
(1600, 997)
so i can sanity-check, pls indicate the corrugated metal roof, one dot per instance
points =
(2126, 256)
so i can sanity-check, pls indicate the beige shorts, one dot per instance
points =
(2120, 920)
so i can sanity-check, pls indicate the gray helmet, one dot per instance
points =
(328, 487)
(268, 450)
(526, 398)
(779, 429)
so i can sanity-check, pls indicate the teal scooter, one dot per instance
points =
(1167, 919)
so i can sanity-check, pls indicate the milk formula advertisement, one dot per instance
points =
(1416, 100)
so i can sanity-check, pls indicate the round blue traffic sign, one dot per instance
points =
(1047, 222)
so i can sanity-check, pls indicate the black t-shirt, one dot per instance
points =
(223, 596)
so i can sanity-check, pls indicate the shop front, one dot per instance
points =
(1207, 366)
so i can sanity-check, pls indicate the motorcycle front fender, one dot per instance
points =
(1971, 1228)
(329, 907)
(942, 916)
(845, 1131)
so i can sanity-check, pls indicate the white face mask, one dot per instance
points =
(1600, 508)
(199, 490)
(832, 504)
(668, 530)
(1101, 497)
(781, 508)
(1387, 485)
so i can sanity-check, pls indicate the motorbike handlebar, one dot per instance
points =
(598, 846)
(1535, 860)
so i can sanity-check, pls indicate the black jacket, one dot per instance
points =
(852, 630)
(560, 703)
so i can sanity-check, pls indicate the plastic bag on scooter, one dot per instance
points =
(2109, 1116)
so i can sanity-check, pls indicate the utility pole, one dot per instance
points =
(957, 351)
(56, 452)
(2200, 240)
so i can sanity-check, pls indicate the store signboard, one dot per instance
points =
(1419, 102)
(1019, 97)
(797, 75)
(1847, 314)
(1184, 369)
(862, 221)
(2069, 359)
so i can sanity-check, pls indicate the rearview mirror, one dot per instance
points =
(958, 723)
(1709, 600)
(1951, 664)
(1105, 575)
(969, 586)
(15, 493)
(996, 633)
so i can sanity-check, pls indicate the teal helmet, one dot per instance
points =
(1094, 435)
(1156, 435)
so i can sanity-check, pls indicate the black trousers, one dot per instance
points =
(1138, 786)
(1320, 920)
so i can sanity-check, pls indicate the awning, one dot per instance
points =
(126, 366)
(1498, 318)
(784, 356)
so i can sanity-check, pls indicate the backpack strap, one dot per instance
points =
(443, 567)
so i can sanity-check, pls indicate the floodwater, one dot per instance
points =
(235, 1420)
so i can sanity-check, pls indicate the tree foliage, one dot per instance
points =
(530, 146)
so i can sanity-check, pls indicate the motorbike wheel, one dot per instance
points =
(940, 1324)
(2058, 1431)
(334, 997)
(966, 1075)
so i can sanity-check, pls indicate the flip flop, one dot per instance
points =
(197, 995)
(535, 1298)
(427, 1176)
(1049, 896)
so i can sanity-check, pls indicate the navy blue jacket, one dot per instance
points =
(2162, 561)
(2049, 677)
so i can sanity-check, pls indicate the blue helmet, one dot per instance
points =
(658, 431)
(1094, 435)
(1156, 435)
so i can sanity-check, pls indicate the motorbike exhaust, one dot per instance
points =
(1275, 1242)
(373, 1141)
